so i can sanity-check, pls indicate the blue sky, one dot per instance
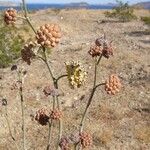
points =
(69, 1)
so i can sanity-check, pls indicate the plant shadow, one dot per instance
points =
(138, 33)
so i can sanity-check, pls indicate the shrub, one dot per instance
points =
(10, 45)
(146, 20)
(123, 12)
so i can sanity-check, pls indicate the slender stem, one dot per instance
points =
(90, 98)
(60, 77)
(22, 111)
(26, 15)
(99, 59)
(25, 8)
(99, 85)
(29, 22)
(50, 125)
(48, 66)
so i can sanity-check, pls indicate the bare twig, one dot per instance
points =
(22, 110)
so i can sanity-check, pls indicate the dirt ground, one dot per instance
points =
(120, 122)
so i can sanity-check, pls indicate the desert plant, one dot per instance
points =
(146, 20)
(47, 37)
(122, 11)
(10, 45)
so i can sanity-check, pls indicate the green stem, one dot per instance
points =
(60, 77)
(48, 66)
(25, 8)
(90, 98)
(50, 125)
(26, 15)
(22, 111)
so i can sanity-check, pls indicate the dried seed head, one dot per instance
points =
(48, 35)
(64, 143)
(113, 85)
(48, 90)
(85, 139)
(27, 53)
(56, 114)
(107, 50)
(95, 50)
(76, 74)
(42, 116)
(101, 47)
(10, 16)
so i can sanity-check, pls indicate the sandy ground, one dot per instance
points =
(120, 122)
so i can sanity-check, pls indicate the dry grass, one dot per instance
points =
(111, 120)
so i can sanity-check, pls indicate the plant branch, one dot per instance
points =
(60, 77)
(90, 98)
(50, 125)
(26, 15)
(22, 110)
(99, 85)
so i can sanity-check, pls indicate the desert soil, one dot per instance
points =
(120, 122)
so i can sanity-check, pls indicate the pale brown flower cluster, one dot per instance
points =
(101, 47)
(10, 16)
(64, 144)
(27, 54)
(113, 85)
(56, 114)
(85, 139)
(95, 50)
(48, 35)
(48, 90)
(42, 116)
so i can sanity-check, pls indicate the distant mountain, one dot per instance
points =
(81, 4)
(111, 4)
(145, 5)
(8, 4)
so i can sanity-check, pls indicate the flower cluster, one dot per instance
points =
(113, 85)
(85, 139)
(64, 143)
(10, 16)
(101, 47)
(42, 116)
(56, 114)
(48, 90)
(76, 74)
(27, 54)
(48, 35)
(95, 50)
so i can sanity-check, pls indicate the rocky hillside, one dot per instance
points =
(145, 5)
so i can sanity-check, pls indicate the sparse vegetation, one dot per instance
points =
(10, 45)
(123, 12)
(54, 102)
(146, 20)
(48, 36)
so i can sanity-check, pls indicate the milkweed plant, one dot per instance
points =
(48, 36)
